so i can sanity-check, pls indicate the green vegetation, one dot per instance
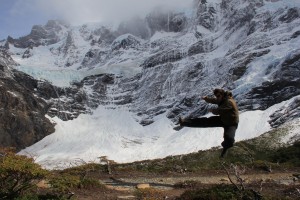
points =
(288, 155)
(19, 177)
(18, 174)
(83, 177)
(271, 191)
(218, 192)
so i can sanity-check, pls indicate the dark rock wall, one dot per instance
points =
(22, 114)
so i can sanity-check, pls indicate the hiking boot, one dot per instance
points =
(178, 128)
(225, 148)
(223, 144)
(223, 152)
(227, 144)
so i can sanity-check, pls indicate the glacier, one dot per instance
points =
(116, 134)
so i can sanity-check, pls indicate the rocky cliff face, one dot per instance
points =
(22, 114)
(248, 47)
(180, 78)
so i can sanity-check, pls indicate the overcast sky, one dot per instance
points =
(18, 16)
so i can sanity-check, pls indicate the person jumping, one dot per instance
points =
(226, 116)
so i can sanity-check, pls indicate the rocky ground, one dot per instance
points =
(172, 186)
(254, 168)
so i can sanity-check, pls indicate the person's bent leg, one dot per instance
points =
(229, 134)
(203, 122)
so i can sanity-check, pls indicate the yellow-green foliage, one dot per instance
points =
(88, 183)
(217, 192)
(288, 154)
(64, 182)
(17, 174)
(83, 169)
(76, 177)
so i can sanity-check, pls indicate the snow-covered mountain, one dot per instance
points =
(117, 92)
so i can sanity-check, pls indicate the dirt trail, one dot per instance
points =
(123, 186)
(167, 183)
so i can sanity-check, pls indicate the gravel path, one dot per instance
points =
(168, 182)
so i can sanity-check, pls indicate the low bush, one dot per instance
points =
(288, 154)
(18, 174)
(63, 183)
(88, 183)
(217, 192)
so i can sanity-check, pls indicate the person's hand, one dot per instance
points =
(204, 98)
(213, 111)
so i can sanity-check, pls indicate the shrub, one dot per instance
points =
(63, 183)
(263, 165)
(88, 183)
(18, 174)
(288, 154)
(218, 192)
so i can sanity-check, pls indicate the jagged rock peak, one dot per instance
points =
(125, 41)
(41, 35)
(5, 62)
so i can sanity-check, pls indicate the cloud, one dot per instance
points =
(81, 11)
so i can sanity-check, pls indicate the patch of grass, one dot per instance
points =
(63, 183)
(85, 169)
(217, 192)
(41, 197)
(288, 155)
(90, 183)
(83, 177)
(18, 174)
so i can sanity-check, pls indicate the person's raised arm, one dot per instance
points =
(210, 100)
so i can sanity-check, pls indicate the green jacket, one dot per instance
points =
(227, 109)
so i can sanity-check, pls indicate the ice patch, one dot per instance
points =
(115, 133)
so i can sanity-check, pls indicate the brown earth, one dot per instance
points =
(124, 186)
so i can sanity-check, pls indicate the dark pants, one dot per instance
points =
(214, 121)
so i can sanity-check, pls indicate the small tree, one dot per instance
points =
(240, 182)
(17, 174)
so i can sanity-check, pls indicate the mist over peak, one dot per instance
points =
(83, 11)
